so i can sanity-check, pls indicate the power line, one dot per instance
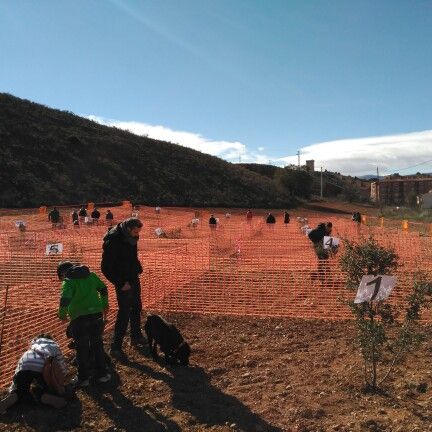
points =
(412, 166)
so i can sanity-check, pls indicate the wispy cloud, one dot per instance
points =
(231, 151)
(391, 153)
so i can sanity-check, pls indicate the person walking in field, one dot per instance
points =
(121, 266)
(95, 215)
(74, 216)
(54, 217)
(109, 217)
(249, 216)
(316, 236)
(286, 218)
(212, 222)
(84, 299)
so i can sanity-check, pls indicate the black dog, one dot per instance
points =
(171, 342)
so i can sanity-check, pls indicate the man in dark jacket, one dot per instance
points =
(316, 236)
(121, 267)
(270, 219)
(95, 215)
(54, 216)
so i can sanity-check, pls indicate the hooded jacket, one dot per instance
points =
(40, 349)
(120, 262)
(83, 293)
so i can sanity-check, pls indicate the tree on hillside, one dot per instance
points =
(296, 182)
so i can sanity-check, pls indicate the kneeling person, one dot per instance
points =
(30, 369)
(84, 299)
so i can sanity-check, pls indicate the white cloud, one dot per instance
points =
(357, 156)
(391, 153)
(228, 150)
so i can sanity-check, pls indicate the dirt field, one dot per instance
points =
(247, 375)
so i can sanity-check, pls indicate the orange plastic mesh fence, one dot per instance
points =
(237, 268)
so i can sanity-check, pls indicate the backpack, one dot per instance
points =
(54, 377)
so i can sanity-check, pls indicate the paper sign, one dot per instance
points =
(19, 223)
(54, 248)
(88, 219)
(330, 242)
(375, 288)
(159, 231)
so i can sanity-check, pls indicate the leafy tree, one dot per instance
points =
(296, 182)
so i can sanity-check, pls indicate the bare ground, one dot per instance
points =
(250, 375)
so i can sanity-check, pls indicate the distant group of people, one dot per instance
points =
(270, 219)
(80, 217)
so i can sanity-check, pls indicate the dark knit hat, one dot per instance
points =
(63, 267)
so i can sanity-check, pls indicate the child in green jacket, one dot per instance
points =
(84, 299)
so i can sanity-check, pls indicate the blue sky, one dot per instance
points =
(259, 79)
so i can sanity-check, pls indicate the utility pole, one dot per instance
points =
(298, 155)
(321, 184)
(378, 197)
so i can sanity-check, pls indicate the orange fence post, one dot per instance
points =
(405, 225)
(42, 210)
(364, 219)
(381, 222)
(90, 206)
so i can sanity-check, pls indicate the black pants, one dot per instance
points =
(87, 332)
(23, 380)
(129, 309)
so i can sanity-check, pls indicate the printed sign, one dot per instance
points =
(375, 288)
(54, 248)
(159, 231)
(330, 242)
(88, 219)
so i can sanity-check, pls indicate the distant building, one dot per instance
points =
(310, 165)
(426, 200)
(396, 190)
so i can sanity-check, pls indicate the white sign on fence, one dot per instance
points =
(330, 242)
(159, 232)
(19, 223)
(375, 288)
(54, 248)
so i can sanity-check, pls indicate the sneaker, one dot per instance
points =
(104, 379)
(7, 402)
(54, 401)
(76, 382)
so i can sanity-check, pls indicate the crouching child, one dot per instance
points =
(43, 365)
(84, 299)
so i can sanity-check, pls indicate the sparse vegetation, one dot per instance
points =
(381, 338)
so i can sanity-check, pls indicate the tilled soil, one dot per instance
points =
(251, 375)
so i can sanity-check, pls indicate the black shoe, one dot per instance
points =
(118, 354)
(139, 341)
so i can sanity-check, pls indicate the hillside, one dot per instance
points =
(50, 157)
